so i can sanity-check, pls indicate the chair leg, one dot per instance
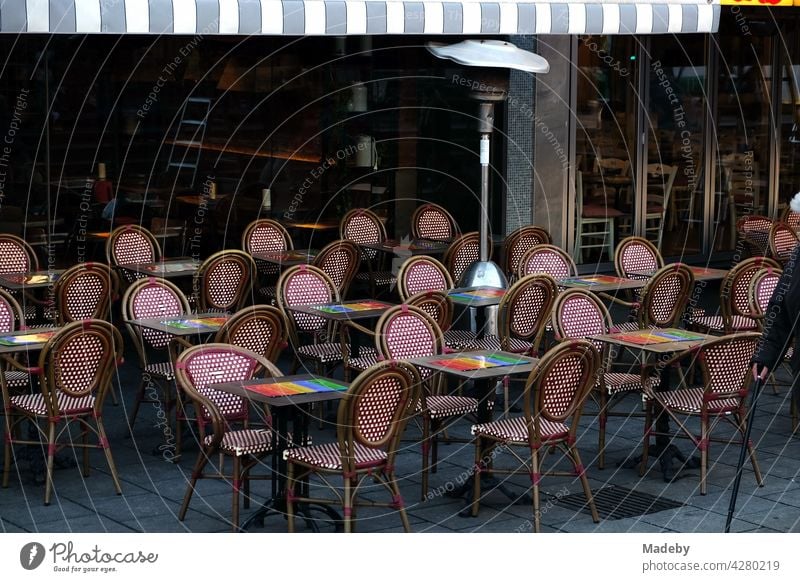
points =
(347, 506)
(290, 482)
(197, 472)
(398, 501)
(237, 484)
(7, 451)
(587, 491)
(137, 403)
(51, 453)
(751, 451)
(85, 441)
(426, 438)
(648, 426)
(535, 478)
(109, 459)
(602, 420)
(704, 444)
(436, 426)
(476, 477)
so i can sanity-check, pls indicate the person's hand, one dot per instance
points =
(764, 372)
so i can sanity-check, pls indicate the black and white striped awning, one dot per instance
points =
(350, 17)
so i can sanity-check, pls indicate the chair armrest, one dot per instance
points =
(617, 300)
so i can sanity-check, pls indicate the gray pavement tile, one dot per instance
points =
(194, 522)
(691, 520)
(92, 523)
(630, 525)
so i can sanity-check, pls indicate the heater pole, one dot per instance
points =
(486, 127)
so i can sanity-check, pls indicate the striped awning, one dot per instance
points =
(350, 17)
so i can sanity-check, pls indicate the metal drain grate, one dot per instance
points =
(615, 502)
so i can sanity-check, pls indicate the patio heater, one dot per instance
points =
(488, 89)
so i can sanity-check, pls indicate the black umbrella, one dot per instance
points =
(743, 452)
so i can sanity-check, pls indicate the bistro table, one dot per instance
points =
(194, 324)
(419, 246)
(168, 269)
(482, 367)
(286, 258)
(601, 283)
(476, 296)
(663, 343)
(32, 280)
(700, 273)
(289, 399)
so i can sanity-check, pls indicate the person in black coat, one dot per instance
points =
(782, 322)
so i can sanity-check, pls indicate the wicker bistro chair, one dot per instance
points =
(439, 306)
(17, 376)
(753, 234)
(433, 222)
(75, 371)
(223, 282)
(370, 421)
(265, 235)
(518, 243)
(17, 256)
(422, 273)
(84, 291)
(198, 367)
(522, 315)
(553, 401)
(635, 254)
(578, 314)
(339, 260)
(308, 285)
(547, 259)
(782, 240)
(734, 298)
(464, 251)
(363, 227)
(144, 299)
(725, 365)
(662, 301)
(262, 329)
(131, 244)
(790, 217)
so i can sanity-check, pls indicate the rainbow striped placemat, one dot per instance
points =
(297, 387)
(466, 363)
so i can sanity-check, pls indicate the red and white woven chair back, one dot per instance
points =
(562, 380)
(406, 332)
(265, 236)
(665, 296)
(225, 279)
(783, 240)
(521, 241)
(217, 364)
(436, 304)
(15, 255)
(433, 222)
(637, 255)
(362, 227)
(260, 329)
(339, 260)
(84, 292)
(727, 364)
(579, 314)
(547, 259)
(11, 315)
(79, 359)
(736, 287)
(128, 244)
(793, 219)
(464, 251)
(305, 285)
(420, 274)
(762, 287)
(755, 230)
(376, 408)
(526, 306)
(150, 298)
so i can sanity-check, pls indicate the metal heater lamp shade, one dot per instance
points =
(497, 54)
(490, 53)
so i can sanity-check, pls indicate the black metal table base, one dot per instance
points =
(488, 483)
(302, 510)
(665, 453)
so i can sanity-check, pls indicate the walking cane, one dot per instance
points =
(743, 451)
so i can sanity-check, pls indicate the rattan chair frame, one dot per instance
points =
(236, 330)
(419, 231)
(375, 262)
(736, 415)
(620, 254)
(744, 228)
(349, 432)
(507, 316)
(239, 475)
(779, 234)
(517, 244)
(537, 408)
(50, 371)
(27, 250)
(351, 257)
(239, 295)
(112, 255)
(523, 268)
(457, 257)
(407, 268)
(64, 285)
(643, 308)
